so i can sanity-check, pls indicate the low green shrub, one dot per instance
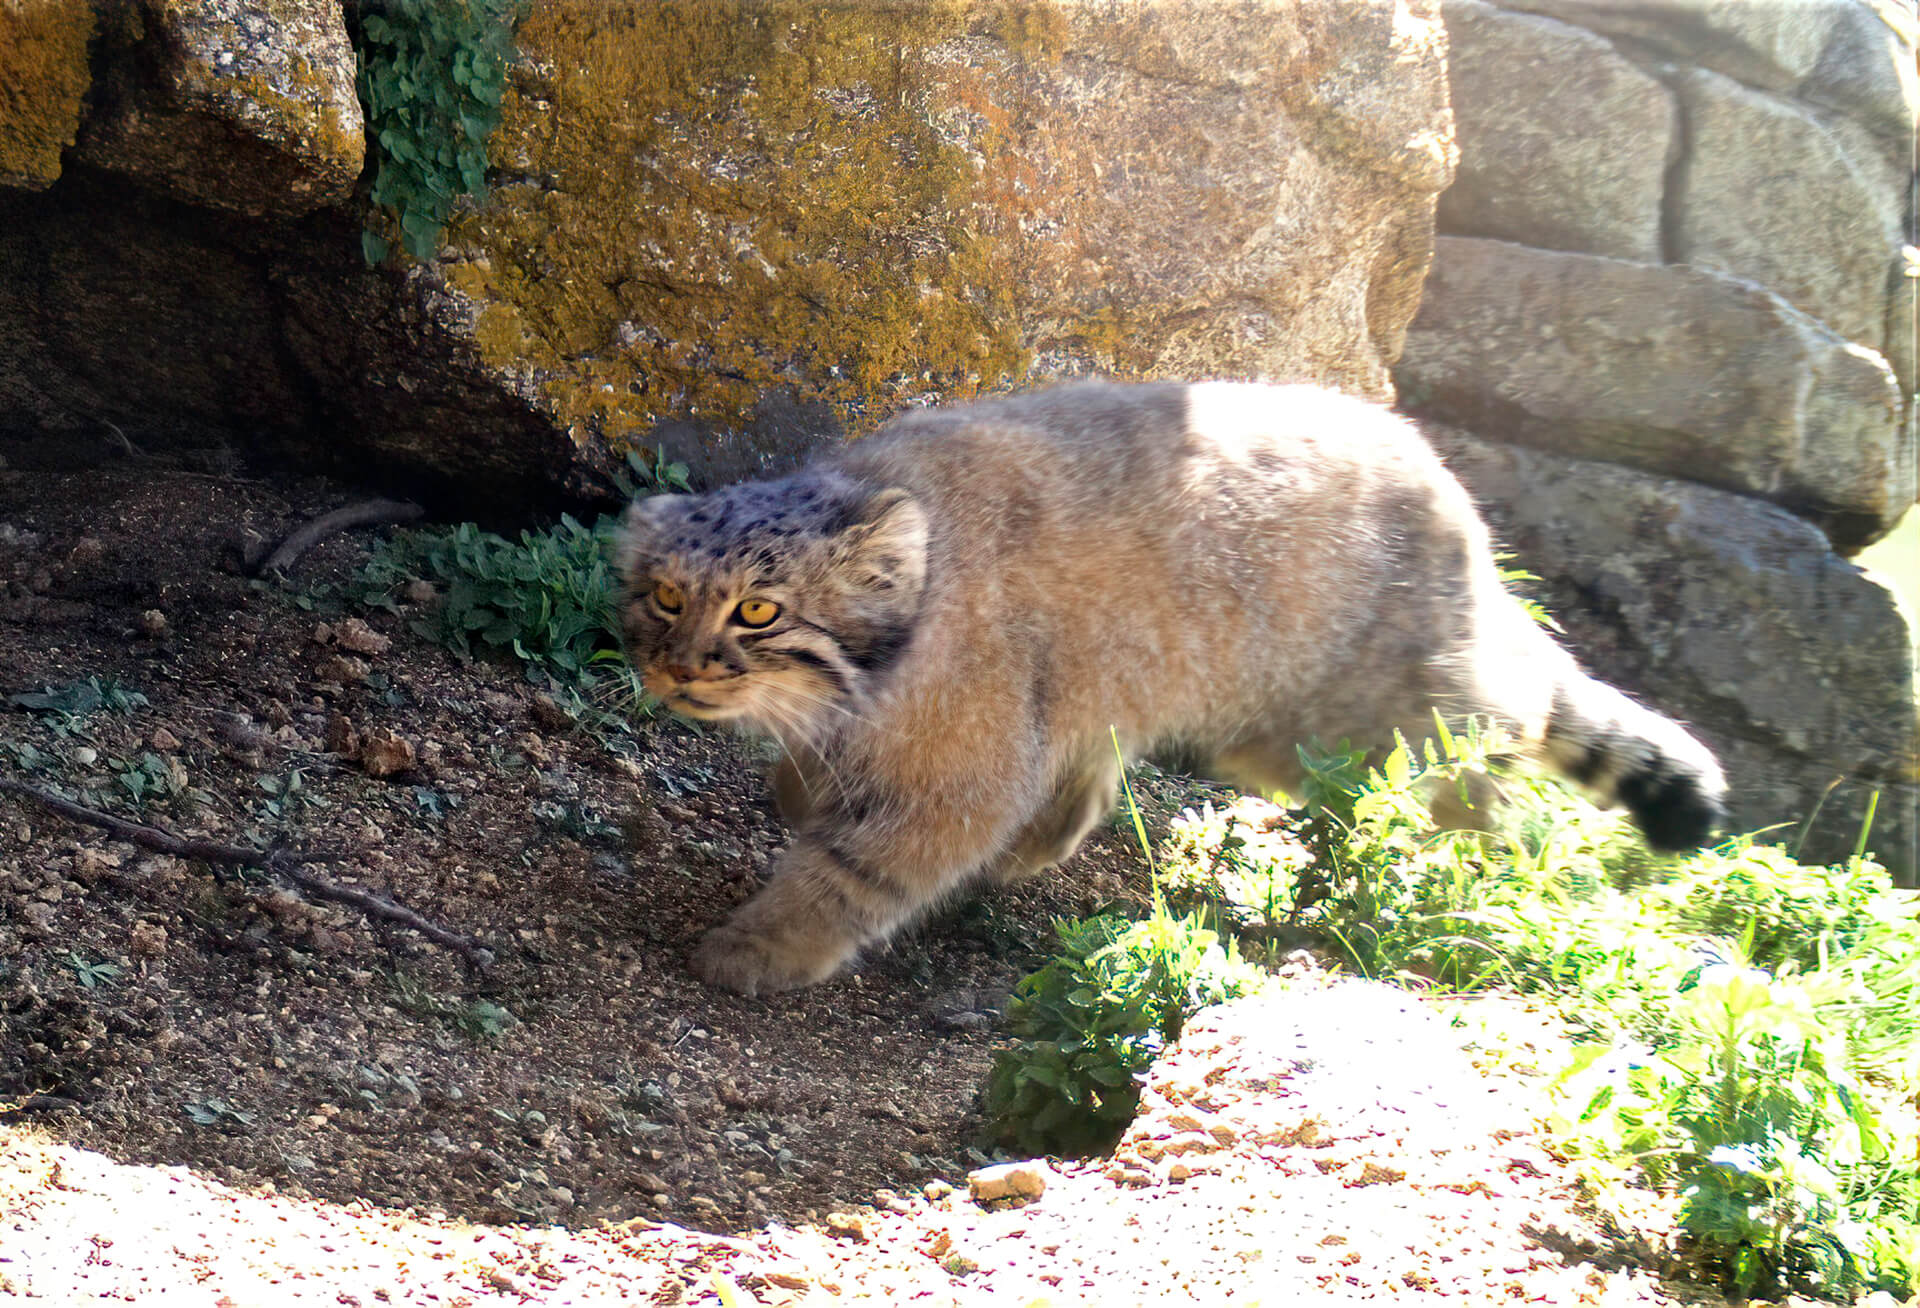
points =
(1749, 1027)
(1089, 1023)
(549, 600)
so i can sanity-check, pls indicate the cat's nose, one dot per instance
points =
(679, 671)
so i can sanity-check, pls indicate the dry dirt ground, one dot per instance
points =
(319, 1105)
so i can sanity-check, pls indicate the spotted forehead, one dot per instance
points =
(756, 526)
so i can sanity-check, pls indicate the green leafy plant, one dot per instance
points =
(147, 779)
(91, 975)
(1093, 1019)
(650, 472)
(477, 1019)
(287, 793)
(215, 1112)
(67, 706)
(1090, 1022)
(1749, 1026)
(431, 77)
(79, 698)
(548, 600)
(482, 1019)
(1790, 1162)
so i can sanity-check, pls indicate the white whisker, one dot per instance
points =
(805, 742)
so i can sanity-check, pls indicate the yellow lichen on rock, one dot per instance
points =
(244, 105)
(705, 200)
(306, 123)
(43, 77)
(702, 206)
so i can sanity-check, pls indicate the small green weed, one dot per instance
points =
(1520, 583)
(431, 76)
(91, 975)
(286, 794)
(1093, 1019)
(149, 779)
(482, 1019)
(650, 473)
(67, 706)
(216, 1112)
(477, 1019)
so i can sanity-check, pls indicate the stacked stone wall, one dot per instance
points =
(1669, 340)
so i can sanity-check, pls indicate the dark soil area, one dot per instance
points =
(165, 1014)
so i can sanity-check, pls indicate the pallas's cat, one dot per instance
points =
(942, 623)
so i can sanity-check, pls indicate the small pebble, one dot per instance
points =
(1027, 1180)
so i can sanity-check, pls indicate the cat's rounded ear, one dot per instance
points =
(886, 546)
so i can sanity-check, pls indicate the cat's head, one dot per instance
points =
(772, 603)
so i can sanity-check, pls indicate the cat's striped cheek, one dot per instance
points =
(803, 693)
(822, 666)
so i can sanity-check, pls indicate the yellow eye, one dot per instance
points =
(756, 612)
(668, 597)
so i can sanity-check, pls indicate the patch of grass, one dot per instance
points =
(1088, 1024)
(1748, 1028)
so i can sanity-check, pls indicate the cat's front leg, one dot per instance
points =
(826, 899)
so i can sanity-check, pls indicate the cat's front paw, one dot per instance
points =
(755, 964)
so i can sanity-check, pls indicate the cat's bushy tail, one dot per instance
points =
(1670, 782)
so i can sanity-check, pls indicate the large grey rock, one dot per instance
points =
(1673, 370)
(1853, 57)
(1771, 194)
(1868, 73)
(1730, 614)
(1777, 44)
(742, 231)
(1564, 143)
(230, 103)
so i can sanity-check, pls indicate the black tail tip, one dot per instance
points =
(1676, 807)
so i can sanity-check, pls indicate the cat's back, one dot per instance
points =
(1096, 457)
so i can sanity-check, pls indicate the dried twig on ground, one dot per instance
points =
(368, 513)
(280, 862)
(30, 1105)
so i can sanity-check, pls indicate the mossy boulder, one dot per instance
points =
(236, 104)
(733, 230)
(43, 78)
(703, 208)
